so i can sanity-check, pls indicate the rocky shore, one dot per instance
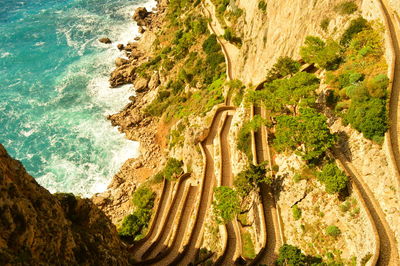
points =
(131, 121)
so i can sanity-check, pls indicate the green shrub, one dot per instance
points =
(292, 256)
(327, 55)
(230, 36)
(369, 117)
(333, 230)
(346, 8)
(249, 179)
(262, 5)
(211, 45)
(143, 198)
(356, 25)
(248, 246)
(325, 24)
(334, 179)
(308, 130)
(226, 204)
(243, 142)
(283, 67)
(296, 211)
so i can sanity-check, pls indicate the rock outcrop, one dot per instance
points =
(38, 228)
(105, 40)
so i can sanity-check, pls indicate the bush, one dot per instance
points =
(226, 204)
(327, 55)
(292, 256)
(325, 24)
(243, 142)
(262, 5)
(333, 230)
(249, 179)
(356, 26)
(334, 179)
(230, 36)
(296, 211)
(143, 198)
(172, 169)
(248, 246)
(309, 131)
(211, 45)
(346, 8)
(283, 67)
(369, 117)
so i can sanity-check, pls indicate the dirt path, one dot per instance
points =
(173, 253)
(205, 200)
(388, 250)
(228, 257)
(269, 253)
(394, 104)
(172, 217)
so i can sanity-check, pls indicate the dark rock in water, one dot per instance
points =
(137, 38)
(105, 40)
(121, 61)
(140, 13)
(120, 46)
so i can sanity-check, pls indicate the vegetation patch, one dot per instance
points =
(334, 179)
(226, 204)
(248, 246)
(172, 170)
(134, 225)
(249, 179)
(346, 8)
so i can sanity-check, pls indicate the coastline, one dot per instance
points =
(115, 200)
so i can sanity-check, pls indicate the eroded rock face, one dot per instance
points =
(38, 228)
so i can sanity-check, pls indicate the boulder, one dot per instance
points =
(121, 61)
(122, 75)
(105, 40)
(140, 84)
(120, 46)
(140, 14)
(154, 81)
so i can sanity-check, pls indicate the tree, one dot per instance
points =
(334, 179)
(308, 134)
(283, 67)
(281, 94)
(226, 204)
(248, 180)
(292, 256)
(327, 55)
(356, 25)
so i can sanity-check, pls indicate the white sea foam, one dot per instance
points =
(5, 54)
(39, 44)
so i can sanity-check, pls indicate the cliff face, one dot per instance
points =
(37, 227)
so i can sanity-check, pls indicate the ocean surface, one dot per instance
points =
(54, 92)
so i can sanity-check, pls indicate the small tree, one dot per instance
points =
(248, 180)
(292, 256)
(283, 67)
(346, 8)
(333, 178)
(333, 230)
(296, 211)
(226, 204)
(143, 198)
(327, 55)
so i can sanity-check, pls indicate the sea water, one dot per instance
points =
(54, 90)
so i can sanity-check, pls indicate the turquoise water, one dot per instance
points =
(54, 94)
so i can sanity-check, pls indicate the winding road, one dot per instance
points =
(388, 253)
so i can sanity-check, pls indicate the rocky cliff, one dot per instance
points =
(38, 228)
